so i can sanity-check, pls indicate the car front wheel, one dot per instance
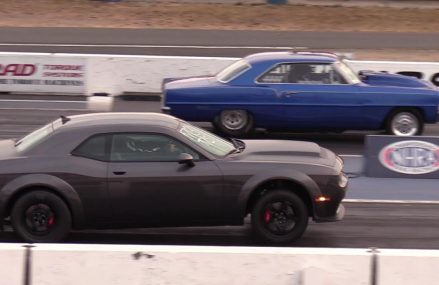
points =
(405, 123)
(41, 216)
(234, 123)
(279, 217)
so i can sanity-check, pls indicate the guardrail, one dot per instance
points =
(119, 74)
(186, 265)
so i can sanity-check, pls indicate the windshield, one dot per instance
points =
(232, 71)
(348, 73)
(36, 136)
(208, 141)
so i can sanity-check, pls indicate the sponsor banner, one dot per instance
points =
(42, 74)
(397, 157)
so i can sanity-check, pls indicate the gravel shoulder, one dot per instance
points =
(134, 14)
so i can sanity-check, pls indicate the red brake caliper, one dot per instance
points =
(267, 216)
(51, 221)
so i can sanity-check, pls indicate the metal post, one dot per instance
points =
(27, 265)
(374, 266)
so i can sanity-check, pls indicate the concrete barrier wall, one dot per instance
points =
(69, 265)
(72, 264)
(12, 259)
(118, 74)
(408, 267)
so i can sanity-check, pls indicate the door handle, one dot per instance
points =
(288, 94)
(119, 172)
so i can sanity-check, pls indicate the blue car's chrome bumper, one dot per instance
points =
(166, 110)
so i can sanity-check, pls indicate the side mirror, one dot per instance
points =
(186, 158)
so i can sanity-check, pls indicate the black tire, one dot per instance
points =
(414, 123)
(241, 130)
(41, 216)
(263, 223)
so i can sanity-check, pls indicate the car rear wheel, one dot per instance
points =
(405, 123)
(41, 216)
(279, 217)
(234, 123)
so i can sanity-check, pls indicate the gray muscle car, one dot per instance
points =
(115, 170)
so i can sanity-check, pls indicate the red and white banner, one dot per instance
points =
(42, 73)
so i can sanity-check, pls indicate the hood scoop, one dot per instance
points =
(271, 148)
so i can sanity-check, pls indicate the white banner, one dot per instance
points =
(42, 73)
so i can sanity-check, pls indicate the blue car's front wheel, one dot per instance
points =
(234, 123)
(405, 122)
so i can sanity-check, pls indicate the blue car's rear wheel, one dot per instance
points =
(234, 122)
(405, 123)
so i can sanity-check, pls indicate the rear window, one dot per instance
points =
(37, 136)
(232, 71)
(95, 147)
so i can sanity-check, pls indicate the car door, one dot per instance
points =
(147, 185)
(317, 96)
(88, 176)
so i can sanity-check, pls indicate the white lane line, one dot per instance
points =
(44, 109)
(350, 155)
(151, 46)
(390, 201)
(39, 101)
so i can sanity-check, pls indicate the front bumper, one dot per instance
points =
(166, 110)
(334, 190)
(339, 215)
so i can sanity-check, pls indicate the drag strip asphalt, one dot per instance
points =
(381, 225)
(198, 42)
(42, 105)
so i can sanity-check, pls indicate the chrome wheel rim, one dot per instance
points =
(405, 124)
(234, 119)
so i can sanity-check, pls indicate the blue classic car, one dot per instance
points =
(302, 91)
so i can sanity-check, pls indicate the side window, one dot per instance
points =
(303, 73)
(278, 74)
(314, 73)
(147, 147)
(94, 147)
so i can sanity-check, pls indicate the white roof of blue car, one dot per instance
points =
(291, 57)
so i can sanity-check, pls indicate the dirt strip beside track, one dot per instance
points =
(134, 14)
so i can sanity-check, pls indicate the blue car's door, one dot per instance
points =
(316, 97)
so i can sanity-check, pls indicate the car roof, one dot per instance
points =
(287, 56)
(118, 118)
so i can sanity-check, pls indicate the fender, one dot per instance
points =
(54, 183)
(292, 175)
